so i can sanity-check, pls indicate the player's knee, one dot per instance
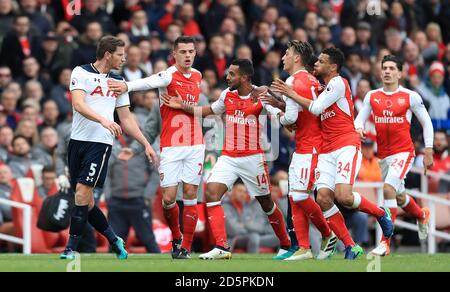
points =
(401, 199)
(324, 201)
(190, 192)
(388, 191)
(266, 202)
(82, 199)
(91, 205)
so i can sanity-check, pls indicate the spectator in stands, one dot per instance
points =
(92, 11)
(428, 50)
(433, 91)
(87, 48)
(434, 35)
(6, 17)
(6, 224)
(18, 45)
(324, 38)
(51, 58)
(311, 23)
(348, 40)
(363, 39)
(263, 43)
(5, 77)
(139, 28)
(9, 105)
(146, 52)
(60, 93)
(352, 70)
(6, 137)
(132, 69)
(40, 23)
(46, 149)
(414, 63)
(50, 115)
(48, 182)
(34, 92)
(284, 30)
(244, 52)
(441, 161)
(28, 129)
(269, 70)
(31, 71)
(188, 22)
(245, 222)
(31, 111)
(394, 42)
(21, 158)
(370, 169)
(287, 147)
(215, 58)
(128, 203)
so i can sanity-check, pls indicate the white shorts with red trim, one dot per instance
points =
(181, 164)
(394, 169)
(338, 167)
(251, 169)
(302, 172)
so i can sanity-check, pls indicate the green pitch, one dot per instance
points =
(239, 263)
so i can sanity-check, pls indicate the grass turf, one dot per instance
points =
(239, 263)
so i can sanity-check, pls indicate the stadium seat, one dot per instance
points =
(24, 191)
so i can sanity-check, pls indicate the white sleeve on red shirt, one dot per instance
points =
(218, 107)
(334, 91)
(291, 114)
(292, 108)
(160, 80)
(418, 108)
(364, 113)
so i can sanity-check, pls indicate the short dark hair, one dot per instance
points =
(336, 57)
(441, 130)
(183, 40)
(392, 58)
(303, 49)
(49, 168)
(20, 15)
(245, 67)
(108, 44)
(17, 137)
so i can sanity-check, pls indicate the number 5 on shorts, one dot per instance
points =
(93, 169)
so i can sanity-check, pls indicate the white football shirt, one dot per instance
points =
(99, 99)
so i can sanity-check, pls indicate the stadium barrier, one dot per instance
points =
(429, 200)
(26, 240)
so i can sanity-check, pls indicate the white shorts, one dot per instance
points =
(302, 172)
(394, 169)
(338, 167)
(251, 169)
(181, 164)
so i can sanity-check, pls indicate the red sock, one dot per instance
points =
(277, 222)
(216, 219)
(313, 212)
(337, 224)
(190, 218)
(301, 225)
(413, 209)
(370, 208)
(172, 217)
(393, 214)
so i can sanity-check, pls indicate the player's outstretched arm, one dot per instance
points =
(281, 87)
(131, 127)
(80, 105)
(419, 110)
(176, 102)
(362, 117)
(159, 80)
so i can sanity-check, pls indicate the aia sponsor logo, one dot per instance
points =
(98, 91)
